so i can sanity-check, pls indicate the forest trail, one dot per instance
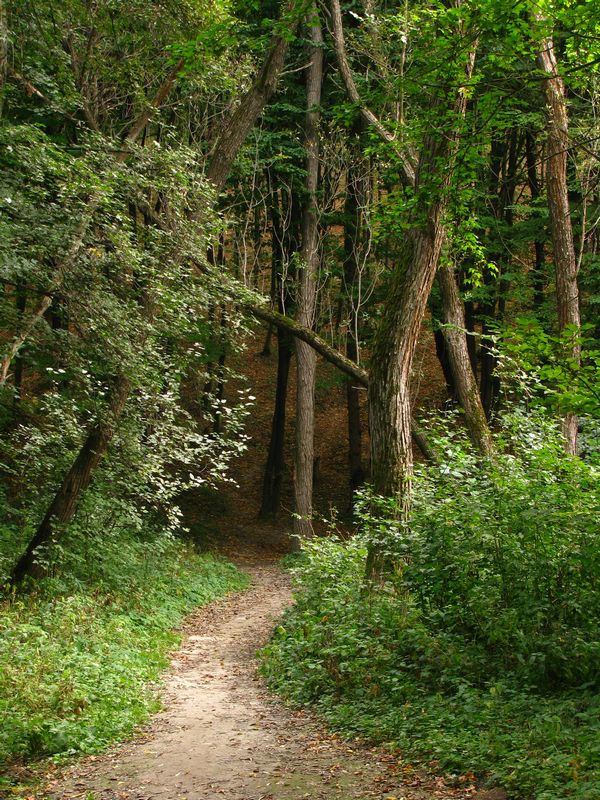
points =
(223, 737)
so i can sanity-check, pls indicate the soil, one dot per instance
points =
(222, 735)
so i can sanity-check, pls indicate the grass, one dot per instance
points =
(79, 660)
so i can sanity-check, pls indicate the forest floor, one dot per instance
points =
(221, 735)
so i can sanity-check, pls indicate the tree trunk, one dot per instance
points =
(539, 273)
(306, 358)
(458, 354)
(352, 237)
(283, 244)
(565, 259)
(274, 468)
(398, 331)
(76, 481)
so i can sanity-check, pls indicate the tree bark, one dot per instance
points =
(565, 258)
(238, 126)
(78, 478)
(306, 358)
(465, 381)
(397, 334)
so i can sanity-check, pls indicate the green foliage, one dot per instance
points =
(79, 657)
(482, 650)
(542, 366)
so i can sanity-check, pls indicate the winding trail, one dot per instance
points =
(223, 737)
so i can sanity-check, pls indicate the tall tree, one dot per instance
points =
(561, 229)
(306, 360)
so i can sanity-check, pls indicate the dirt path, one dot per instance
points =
(223, 736)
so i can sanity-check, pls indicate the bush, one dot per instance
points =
(482, 650)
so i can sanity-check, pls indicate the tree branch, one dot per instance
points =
(334, 357)
(369, 117)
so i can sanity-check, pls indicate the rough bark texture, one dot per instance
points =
(306, 358)
(396, 337)
(391, 362)
(464, 378)
(398, 331)
(565, 259)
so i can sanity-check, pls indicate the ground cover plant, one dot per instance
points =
(481, 652)
(79, 656)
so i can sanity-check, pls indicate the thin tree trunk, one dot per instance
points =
(283, 243)
(565, 258)
(352, 235)
(539, 276)
(274, 468)
(306, 358)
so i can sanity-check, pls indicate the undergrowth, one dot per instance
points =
(79, 658)
(481, 651)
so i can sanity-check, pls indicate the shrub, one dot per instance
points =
(482, 650)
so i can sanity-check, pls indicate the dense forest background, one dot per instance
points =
(326, 183)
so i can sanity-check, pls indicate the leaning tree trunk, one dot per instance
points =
(306, 359)
(464, 379)
(565, 259)
(76, 481)
(398, 331)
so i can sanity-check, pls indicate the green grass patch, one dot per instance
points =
(79, 659)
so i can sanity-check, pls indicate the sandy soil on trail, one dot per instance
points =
(222, 736)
